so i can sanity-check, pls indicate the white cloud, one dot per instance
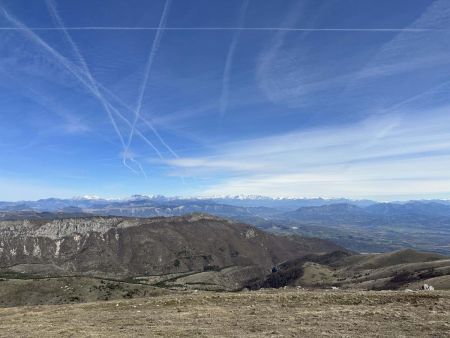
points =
(394, 155)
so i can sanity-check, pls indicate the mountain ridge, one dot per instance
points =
(110, 246)
(360, 226)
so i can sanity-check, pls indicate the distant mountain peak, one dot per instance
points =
(87, 198)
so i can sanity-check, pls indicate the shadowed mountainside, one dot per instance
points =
(115, 246)
(388, 271)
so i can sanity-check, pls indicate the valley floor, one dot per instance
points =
(286, 313)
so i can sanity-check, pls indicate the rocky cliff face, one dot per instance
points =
(115, 246)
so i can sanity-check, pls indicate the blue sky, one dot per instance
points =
(304, 98)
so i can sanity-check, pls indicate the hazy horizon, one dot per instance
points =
(192, 98)
(205, 197)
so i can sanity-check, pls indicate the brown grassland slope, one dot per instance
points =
(264, 313)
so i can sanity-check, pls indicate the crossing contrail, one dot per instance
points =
(143, 119)
(275, 29)
(229, 61)
(150, 125)
(151, 57)
(79, 75)
(60, 24)
(74, 70)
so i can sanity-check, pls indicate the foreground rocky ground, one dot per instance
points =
(286, 313)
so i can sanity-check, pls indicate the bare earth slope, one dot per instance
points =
(275, 313)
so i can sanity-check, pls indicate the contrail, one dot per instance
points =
(153, 50)
(61, 59)
(229, 61)
(147, 122)
(77, 73)
(150, 125)
(416, 97)
(139, 133)
(141, 168)
(283, 29)
(59, 22)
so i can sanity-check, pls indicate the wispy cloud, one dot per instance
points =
(374, 155)
(70, 121)
(403, 54)
(289, 74)
(317, 111)
(229, 60)
(286, 73)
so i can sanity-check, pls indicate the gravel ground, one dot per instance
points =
(268, 313)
